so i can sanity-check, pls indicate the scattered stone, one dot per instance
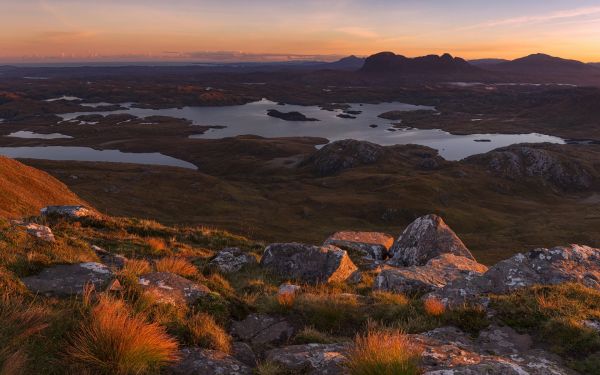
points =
(261, 329)
(231, 260)
(371, 244)
(169, 288)
(341, 155)
(434, 275)
(42, 232)
(73, 212)
(311, 359)
(68, 280)
(311, 264)
(558, 265)
(196, 361)
(243, 353)
(424, 239)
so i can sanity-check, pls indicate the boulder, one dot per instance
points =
(231, 260)
(311, 359)
(112, 260)
(261, 330)
(196, 361)
(424, 239)
(561, 264)
(169, 288)
(341, 155)
(435, 274)
(67, 280)
(73, 212)
(497, 351)
(42, 232)
(243, 353)
(311, 264)
(374, 245)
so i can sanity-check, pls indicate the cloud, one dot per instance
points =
(360, 32)
(559, 15)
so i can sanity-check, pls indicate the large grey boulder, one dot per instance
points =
(311, 264)
(197, 361)
(561, 264)
(435, 274)
(340, 155)
(67, 280)
(261, 329)
(169, 288)
(231, 260)
(42, 232)
(311, 359)
(424, 239)
(373, 245)
(73, 212)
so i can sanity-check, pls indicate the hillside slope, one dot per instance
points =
(24, 190)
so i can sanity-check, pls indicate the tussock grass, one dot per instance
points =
(205, 332)
(136, 267)
(157, 246)
(179, 266)
(434, 307)
(310, 335)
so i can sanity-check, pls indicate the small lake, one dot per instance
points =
(252, 118)
(89, 154)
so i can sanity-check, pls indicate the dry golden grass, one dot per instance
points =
(384, 352)
(205, 332)
(157, 245)
(286, 300)
(434, 307)
(15, 363)
(179, 266)
(115, 341)
(136, 267)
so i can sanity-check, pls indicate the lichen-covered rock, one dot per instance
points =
(169, 288)
(497, 351)
(435, 274)
(424, 239)
(196, 361)
(243, 353)
(231, 260)
(340, 155)
(311, 359)
(68, 280)
(311, 264)
(374, 245)
(74, 212)
(261, 329)
(573, 263)
(42, 232)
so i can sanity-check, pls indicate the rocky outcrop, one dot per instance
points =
(68, 280)
(573, 263)
(370, 244)
(115, 261)
(73, 212)
(42, 232)
(243, 353)
(311, 359)
(533, 161)
(260, 330)
(169, 288)
(289, 116)
(196, 361)
(497, 351)
(311, 264)
(341, 155)
(231, 260)
(424, 239)
(434, 275)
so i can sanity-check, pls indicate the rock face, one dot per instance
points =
(73, 212)
(340, 155)
(574, 263)
(68, 280)
(435, 274)
(170, 288)
(311, 359)
(424, 239)
(40, 231)
(497, 351)
(311, 264)
(521, 161)
(231, 260)
(196, 361)
(371, 244)
(260, 329)
(289, 116)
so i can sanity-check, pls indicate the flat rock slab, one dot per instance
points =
(68, 280)
(74, 212)
(311, 264)
(311, 359)
(371, 244)
(196, 361)
(170, 288)
(42, 232)
(424, 279)
(261, 329)
(231, 260)
(424, 239)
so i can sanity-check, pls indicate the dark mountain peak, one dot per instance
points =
(544, 61)
(389, 62)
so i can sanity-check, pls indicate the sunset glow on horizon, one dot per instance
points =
(186, 30)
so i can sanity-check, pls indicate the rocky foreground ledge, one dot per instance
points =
(427, 264)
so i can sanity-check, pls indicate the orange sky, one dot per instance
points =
(152, 29)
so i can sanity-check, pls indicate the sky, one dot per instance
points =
(264, 30)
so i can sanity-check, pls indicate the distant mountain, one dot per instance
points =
(347, 63)
(485, 62)
(541, 63)
(595, 64)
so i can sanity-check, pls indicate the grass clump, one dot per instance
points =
(434, 307)
(384, 352)
(179, 266)
(205, 332)
(310, 335)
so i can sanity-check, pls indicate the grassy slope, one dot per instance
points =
(24, 190)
